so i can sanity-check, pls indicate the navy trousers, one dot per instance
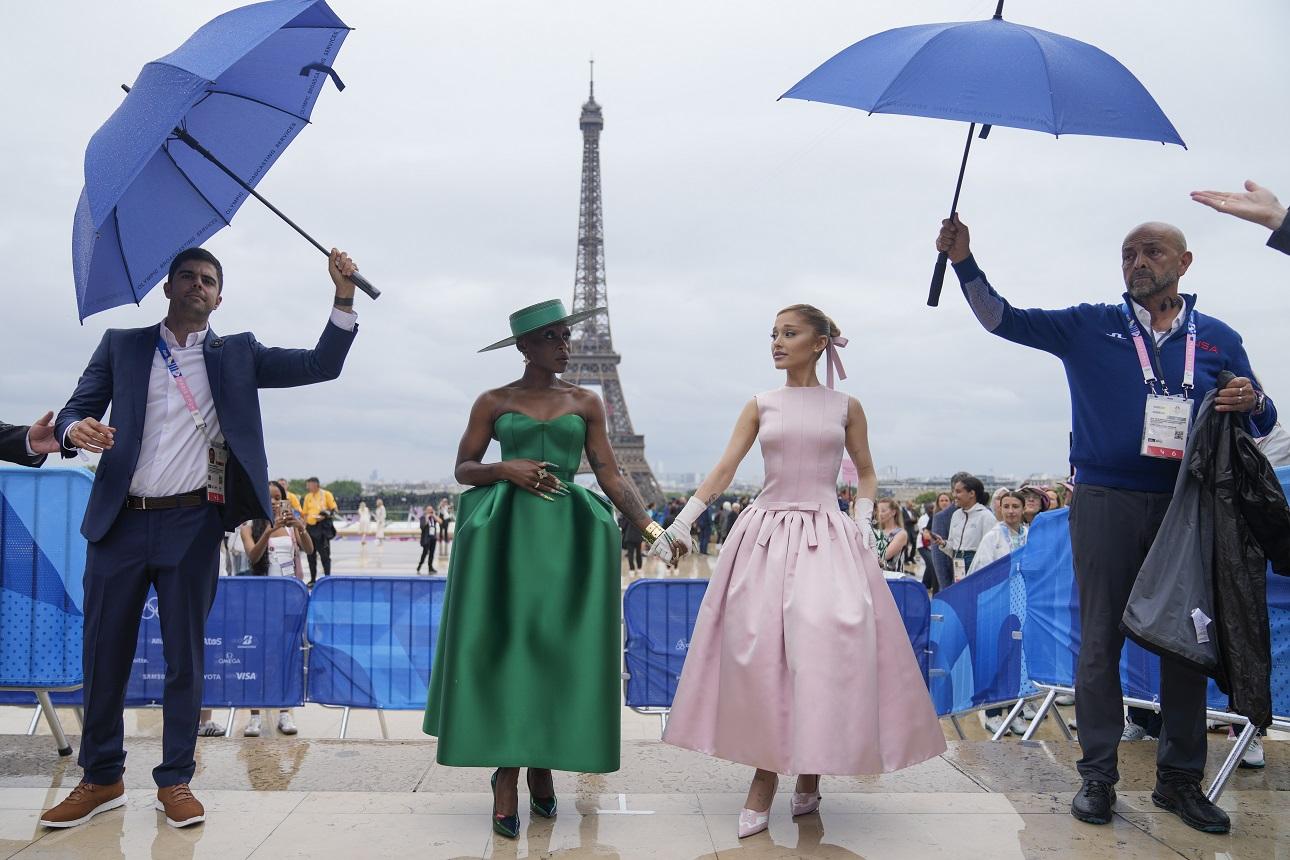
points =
(176, 552)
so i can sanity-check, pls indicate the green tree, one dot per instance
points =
(924, 498)
(346, 489)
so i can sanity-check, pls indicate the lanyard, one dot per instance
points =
(1144, 360)
(185, 392)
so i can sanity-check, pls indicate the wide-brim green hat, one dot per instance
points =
(539, 316)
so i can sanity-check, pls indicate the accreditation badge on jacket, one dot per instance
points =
(216, 472)
(1165, 426)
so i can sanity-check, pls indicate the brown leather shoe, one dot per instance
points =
(181, 808)
(86, 801)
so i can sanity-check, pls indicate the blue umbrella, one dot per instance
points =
(989, 73)
(196, 132)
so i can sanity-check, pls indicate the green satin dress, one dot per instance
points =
(527, 670)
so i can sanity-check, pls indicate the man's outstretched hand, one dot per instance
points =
(1256, 204)
(953, 240)
(40, 436)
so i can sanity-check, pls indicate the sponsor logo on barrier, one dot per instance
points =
(248, 641)
(245, 676)
(212, 676)
(214, 640)
(154, 676)
(140, 660)
(150, 609)
(229, 659)
(155, 640)
(682, 645)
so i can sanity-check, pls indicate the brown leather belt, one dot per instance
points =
(161, 503)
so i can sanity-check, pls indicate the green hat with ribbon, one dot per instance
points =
(539, 316)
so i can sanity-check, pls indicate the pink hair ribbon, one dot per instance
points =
(835, 343)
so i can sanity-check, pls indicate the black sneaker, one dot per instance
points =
(1185, 799)
(1093, 802)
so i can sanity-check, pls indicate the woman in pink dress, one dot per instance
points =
(800, 663)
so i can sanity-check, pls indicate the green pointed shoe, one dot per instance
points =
(503, 825)
(543, 806)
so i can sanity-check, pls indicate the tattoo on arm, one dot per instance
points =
(712, 497)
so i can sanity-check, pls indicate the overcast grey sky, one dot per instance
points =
(449, 169)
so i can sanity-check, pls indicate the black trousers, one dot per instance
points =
(427, 552)
(1111, 532)
(322, 548)
(175, 551)
(635, 558)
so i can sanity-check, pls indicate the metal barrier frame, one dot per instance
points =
(46, 706)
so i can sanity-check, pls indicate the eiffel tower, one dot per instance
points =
(593, 360)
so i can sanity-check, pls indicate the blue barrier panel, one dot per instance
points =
(659, 616)
(372, 640)
(254, 636)
(42, 570)
(976, 645)
(916, 611)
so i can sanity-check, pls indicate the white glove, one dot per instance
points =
(662, 549)
(864, 519)
(684, 522)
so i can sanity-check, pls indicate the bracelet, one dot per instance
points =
(653, 531)
(344, 303)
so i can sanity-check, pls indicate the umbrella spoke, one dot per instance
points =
(193, 185)
(209, 93)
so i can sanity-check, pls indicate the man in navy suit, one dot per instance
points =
(183, 462)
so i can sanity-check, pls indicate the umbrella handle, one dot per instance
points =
(938, 280)
(365, 285)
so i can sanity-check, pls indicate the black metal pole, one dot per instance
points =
(938, 274)
(998, 11)
(359, 281)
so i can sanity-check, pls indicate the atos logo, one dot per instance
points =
(214, 640)
(248, 641)
(154, 676)
(150, 609)
(213, 676)
(682, 645)
(245, 676)
(229, 659)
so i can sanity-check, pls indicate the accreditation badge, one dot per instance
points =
(216, 472)
(960, 567)
(1166, 426)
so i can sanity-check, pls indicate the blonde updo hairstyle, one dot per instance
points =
(820, 322)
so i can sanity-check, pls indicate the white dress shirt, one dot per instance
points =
(172, 452)
(1144, 319)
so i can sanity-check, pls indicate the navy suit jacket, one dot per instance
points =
(237, 366)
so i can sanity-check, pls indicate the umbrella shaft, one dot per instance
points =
(206, 154)
(958, 187)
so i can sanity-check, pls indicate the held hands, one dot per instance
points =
(40, 436)
(953, 240)
(90, 435)
(340, 267)
(532, 476)
(1237, 396)
(662, 549)
(1257, 204)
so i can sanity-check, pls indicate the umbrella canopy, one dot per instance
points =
(989, 73)
(243, 85)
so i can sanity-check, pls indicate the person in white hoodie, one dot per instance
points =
(1008, 536)
(969, 526)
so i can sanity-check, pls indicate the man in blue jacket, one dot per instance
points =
(1137, 372)
(183, 462)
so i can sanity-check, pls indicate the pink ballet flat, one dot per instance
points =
(805, 804)
(752, 822)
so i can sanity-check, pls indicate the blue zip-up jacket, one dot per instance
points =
(1108, 395)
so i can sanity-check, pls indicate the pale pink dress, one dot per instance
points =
(799, 661)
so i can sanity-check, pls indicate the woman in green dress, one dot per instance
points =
(527, 670)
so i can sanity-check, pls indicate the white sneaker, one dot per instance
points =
(1253, 758)
(210, 729)
(285, 724)
(993, 724)
(1133, 732)
(1029, 711)
(1064, 699)
(1018, 726)
(252, 729)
